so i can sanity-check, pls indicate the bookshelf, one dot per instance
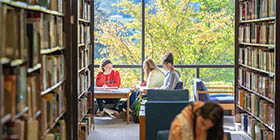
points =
(257, 62)
(32, 69)
(82, 52)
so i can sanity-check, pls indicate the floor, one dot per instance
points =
(107, 128)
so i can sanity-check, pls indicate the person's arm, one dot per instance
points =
(117, 80)
(100, 79)
(175, 131)
(171, 81)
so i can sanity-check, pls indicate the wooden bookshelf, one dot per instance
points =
(3, 117)
(257, 118)
(51, 50)
(258, 20)
(81, 49)
(258, 94)
(26, 6)
(270, 46)
(32, 55)
(258, 29)
(270, 74)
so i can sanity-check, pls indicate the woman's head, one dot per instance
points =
(148, 66)
(106, 65)
(168, 61)
(210, 118)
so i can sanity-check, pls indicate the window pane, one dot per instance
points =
(117, 31)
(197, 32)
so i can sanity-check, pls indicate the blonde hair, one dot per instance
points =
(150, 66)
(104, 62)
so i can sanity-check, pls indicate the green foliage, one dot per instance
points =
(204, 37)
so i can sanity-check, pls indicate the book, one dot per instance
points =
(21, 96)
(10, 94)
(32, 130)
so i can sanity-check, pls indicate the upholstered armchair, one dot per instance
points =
(223, 95)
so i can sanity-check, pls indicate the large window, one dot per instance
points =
(198, 32)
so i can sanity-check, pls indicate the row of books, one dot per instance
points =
(24, 33)
(82, 107)
(255, 129)
(83, 81)
(15, 90)
(85, 127)
(53, 107)
(29, 130)
(83, 58)
(257, 106)
(261, 84)
(255, 9)
(56, 5)
(84, 9)
(52, 70)
(84, 34)
(263, 33)
(257, 57)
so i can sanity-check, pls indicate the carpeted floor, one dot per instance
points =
(107, 128)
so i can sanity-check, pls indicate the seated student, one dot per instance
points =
(107, 77)
(173, 76)
(199, 121)
(153, 78)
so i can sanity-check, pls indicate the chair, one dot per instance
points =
(161, 108)
(226, 100)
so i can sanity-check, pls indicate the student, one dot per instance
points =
(153, 78)
(107, 77)
(173, 77)
(199, 121)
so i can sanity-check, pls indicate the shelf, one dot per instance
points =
(82, 119)
(38, 113)
(6, 119)
(82, 69)
(258, 20)
(26, 6)
(82, 94)
(51, 50)
(270, 74)
(82, 45)
(4, 61)
(270, 46)
(17, 62)
(53, 125)
(52, 88)
(25, 110)
(84, 21)
(258, 94)
(257, 118)
(35, 68)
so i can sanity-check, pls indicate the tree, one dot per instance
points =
(195, 37)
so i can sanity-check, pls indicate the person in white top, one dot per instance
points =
(153, 78)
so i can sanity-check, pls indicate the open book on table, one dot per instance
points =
(105, 88)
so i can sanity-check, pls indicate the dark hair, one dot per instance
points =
(215, 113)
(168, 58)
(104, 62)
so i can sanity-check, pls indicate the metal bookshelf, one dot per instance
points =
(276, 101)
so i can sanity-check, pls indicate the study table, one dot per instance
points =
(103, 93)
